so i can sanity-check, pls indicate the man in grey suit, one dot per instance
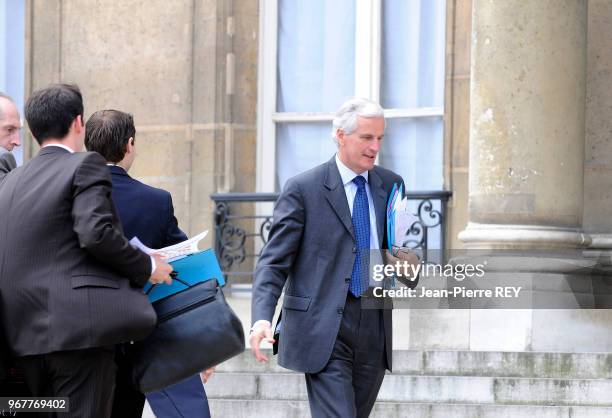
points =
(326, 224)
(10, 125)
(70, 282)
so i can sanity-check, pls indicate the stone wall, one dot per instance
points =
(186, 70)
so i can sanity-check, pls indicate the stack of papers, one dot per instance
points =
(399, 217)
(173, 252)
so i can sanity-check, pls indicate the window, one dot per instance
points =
(314, 54)
(12, 64)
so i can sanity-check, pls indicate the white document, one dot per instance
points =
(404, 219)
(173, 252)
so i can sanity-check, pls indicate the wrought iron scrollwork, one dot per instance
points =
(428, 215)
(428, 218)
(232, 240)
(264, 229)
(415, 235)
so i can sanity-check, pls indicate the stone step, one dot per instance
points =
(299, 409)
(426, 389)
(467, 363)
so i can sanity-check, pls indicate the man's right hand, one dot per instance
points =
(162, 271)
(261, 331)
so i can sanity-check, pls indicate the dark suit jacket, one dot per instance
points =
(65, 265)
(147, 212)
(144, 211)
(7, 163)
(310, 247)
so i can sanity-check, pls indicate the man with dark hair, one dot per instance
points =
(69, 279)
(52, 112)
(10, 125)
(145, 212)
(111, 133)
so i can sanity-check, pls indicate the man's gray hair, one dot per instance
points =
(7, 97)
(346, 117)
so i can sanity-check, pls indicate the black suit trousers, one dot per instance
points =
(349, 383)
(129, 401)
(86, 377)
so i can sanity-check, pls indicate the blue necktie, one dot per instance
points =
(361, 227)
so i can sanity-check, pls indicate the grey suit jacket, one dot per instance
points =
(310, 252)
(68, 277)
(7, 163)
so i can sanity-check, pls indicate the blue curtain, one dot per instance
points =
(316, 73)
(12, 58)
(316, 67)
(413, 76)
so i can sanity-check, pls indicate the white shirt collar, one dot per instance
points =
(347, 174)
(70, 150)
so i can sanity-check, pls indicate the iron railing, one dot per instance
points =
(241, 229)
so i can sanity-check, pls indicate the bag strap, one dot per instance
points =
(174, 277)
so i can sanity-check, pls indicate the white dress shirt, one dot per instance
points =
(350, 188)
(70, 150)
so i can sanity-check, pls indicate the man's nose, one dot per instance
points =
(375, 146)
(16, 139)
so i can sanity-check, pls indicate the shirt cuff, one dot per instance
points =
(153, 265)
(260, 322)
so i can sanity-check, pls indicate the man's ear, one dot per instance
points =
(340, 136)
(78, 123)
(129, 147)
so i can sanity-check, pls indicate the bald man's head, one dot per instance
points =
(10, 123)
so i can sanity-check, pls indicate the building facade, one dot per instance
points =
(505, 104)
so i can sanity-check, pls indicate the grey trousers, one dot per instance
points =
(349, 383)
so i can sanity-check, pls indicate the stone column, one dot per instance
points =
(527, 123)
(527, 113)
(598, 159)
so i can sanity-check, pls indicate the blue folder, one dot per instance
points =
(193, 269)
